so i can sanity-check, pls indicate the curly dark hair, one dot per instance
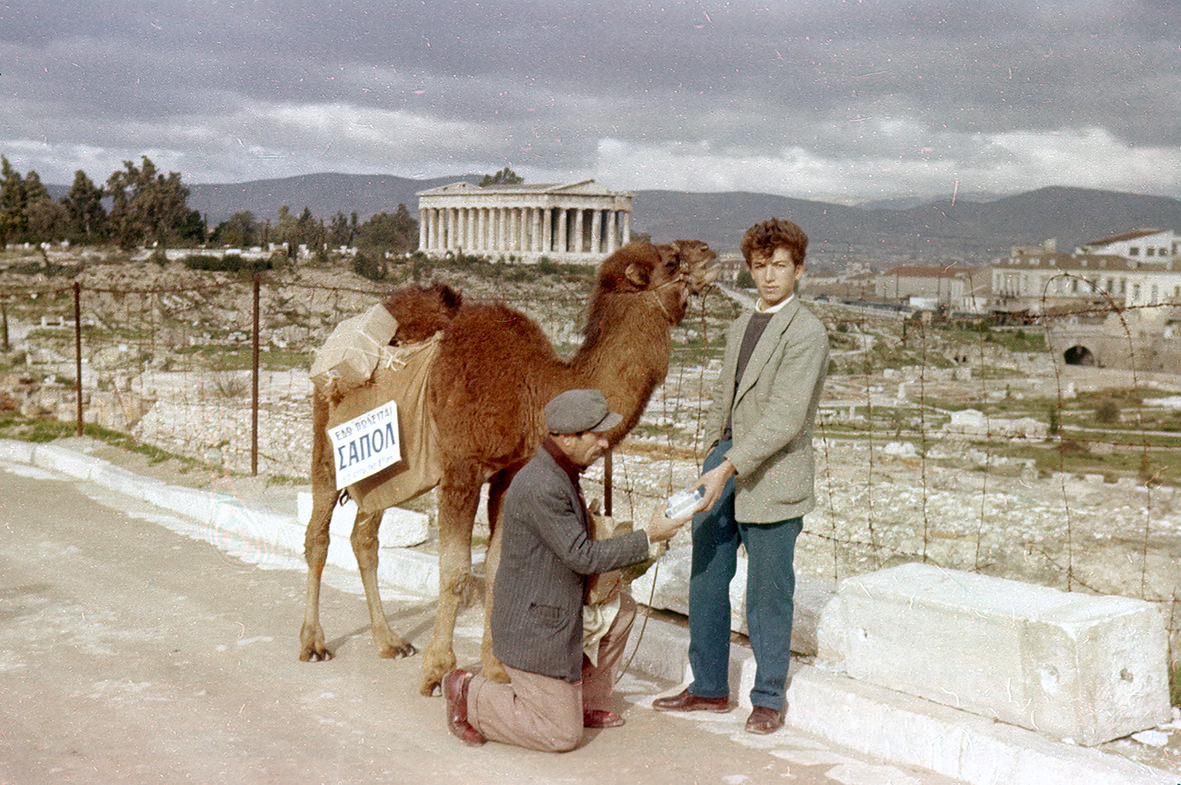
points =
(765, 237)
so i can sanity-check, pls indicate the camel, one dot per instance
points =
(493, 374)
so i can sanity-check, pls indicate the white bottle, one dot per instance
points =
(682, 503)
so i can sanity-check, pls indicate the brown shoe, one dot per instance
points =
(764, 720)
(455, 696)
(601, 718)
(687, 701)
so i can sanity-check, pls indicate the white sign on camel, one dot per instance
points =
(366, 444)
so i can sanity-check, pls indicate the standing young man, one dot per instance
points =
(758, 481)
(546, 557)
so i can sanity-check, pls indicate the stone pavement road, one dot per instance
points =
(132, 653)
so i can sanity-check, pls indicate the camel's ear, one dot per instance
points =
(637, 273)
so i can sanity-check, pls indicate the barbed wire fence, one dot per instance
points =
(217, 372)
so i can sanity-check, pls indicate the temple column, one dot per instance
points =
(627, 227)
(578, 234)
(547, 230)
(534, 229)
(612, 237)
(422, 228)
(563, 216)
(522, 228)
(596, 232)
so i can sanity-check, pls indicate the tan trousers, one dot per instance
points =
(544, 713)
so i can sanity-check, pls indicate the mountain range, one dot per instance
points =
(939, 231)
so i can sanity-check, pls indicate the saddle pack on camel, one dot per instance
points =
(358, 370)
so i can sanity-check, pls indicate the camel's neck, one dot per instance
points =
(625, 351)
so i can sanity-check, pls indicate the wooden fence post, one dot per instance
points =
(78, 353)
(254, 381)
(607, 484)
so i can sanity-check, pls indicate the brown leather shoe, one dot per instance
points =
(601, 718)
(764, 720)
(455, 696)
(687, 701)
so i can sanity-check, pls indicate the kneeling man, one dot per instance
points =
(546, 558)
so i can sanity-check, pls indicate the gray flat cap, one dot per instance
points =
(575, 411)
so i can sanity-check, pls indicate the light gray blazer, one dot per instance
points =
(545, 558)
(773, 410)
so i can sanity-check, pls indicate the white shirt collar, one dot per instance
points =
(774, 308)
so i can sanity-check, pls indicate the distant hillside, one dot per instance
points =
(935, 232)
(880, 233)
(324, 194)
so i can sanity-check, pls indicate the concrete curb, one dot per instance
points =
(898, 728)
(908, 730)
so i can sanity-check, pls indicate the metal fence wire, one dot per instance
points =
(959, 444)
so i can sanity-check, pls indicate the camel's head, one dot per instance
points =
(672, 272)
(699, 262)
(638, 267)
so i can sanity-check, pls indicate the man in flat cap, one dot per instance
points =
(546, 558)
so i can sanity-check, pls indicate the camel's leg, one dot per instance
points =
(365, 544)
(492, 667)
(458, 497)
(315, 548)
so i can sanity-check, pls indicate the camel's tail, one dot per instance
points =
(421, 311)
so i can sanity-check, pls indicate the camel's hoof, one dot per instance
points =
(315, 655)
(397, 651)
(430, 688)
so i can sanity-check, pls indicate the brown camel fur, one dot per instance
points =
(489, 383)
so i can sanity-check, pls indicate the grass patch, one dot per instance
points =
(43, 430)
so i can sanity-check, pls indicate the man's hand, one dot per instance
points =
(661, 528)
(713, 482)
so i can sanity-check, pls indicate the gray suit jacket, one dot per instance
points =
(773, 411)
(545, 558)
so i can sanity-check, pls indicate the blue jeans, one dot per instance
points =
(770, 586)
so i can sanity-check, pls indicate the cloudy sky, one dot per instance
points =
(831, 100)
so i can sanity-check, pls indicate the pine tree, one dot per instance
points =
(86, 220)
(13, 220)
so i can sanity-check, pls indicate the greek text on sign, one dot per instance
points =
(366, 444)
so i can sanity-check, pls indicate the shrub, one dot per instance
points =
(1107, 411)
(369, 267)
(232, 263)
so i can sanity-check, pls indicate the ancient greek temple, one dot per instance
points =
(571, 222)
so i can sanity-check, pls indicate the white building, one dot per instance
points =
(1036, 278)
(571, 222)
(958, 289)
(1148, 245)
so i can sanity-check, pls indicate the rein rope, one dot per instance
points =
(680, 279)
(662, 548)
